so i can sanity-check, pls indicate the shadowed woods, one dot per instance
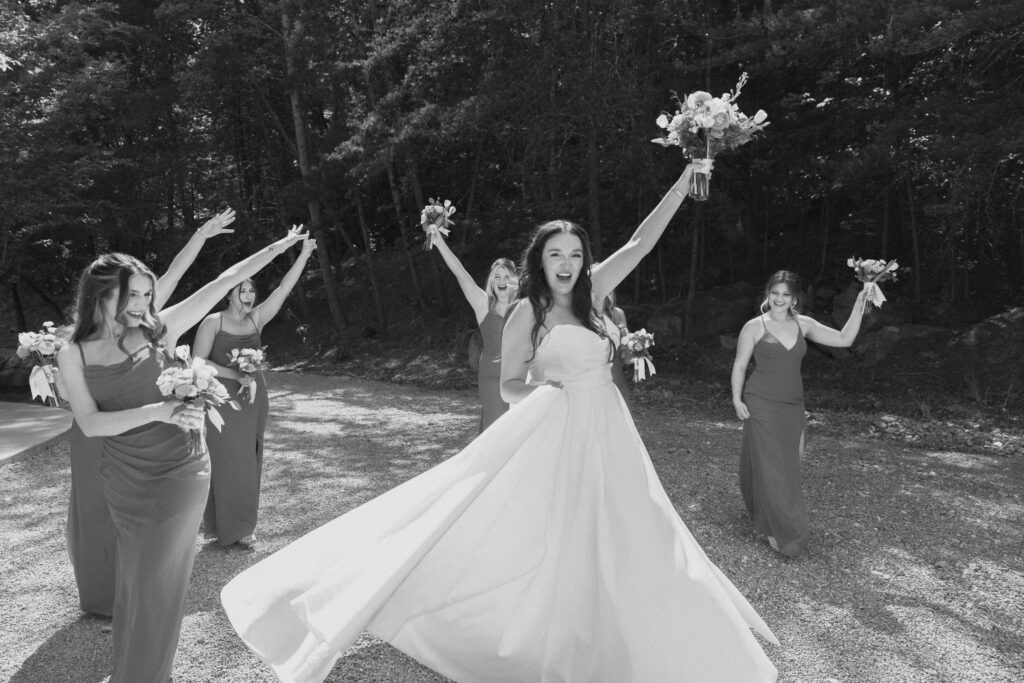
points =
(913, 571)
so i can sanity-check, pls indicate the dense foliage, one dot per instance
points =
(895, 132)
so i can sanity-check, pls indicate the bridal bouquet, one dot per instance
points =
(702, 126)
(871, 272)
(194, 381)
(635, 348)
(435, 221)
(43, 346)
(248, 362)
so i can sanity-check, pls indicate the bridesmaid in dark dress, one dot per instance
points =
(490, 307)
(154, 487)
(90, 530)
(771, 405)
(236, 451)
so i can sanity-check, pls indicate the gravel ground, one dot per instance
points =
(914, 572)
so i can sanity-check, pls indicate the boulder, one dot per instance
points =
(667, 330)
(988, 357)
(873, 347)
(874, 318)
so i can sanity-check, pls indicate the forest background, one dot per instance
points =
(896, 131)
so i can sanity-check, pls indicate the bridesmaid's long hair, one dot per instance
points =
(792, 282)
(534, 286)
(492, 296)
(98, 282)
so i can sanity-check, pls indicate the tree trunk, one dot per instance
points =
(594, 194)
(885, 224)
(691, 294)
(825, 221)
(914, 242)
(41, 293)
(414, 179)
(396, 197)
(382, 321)
(472, 192)
(306, 169)
(19, 310)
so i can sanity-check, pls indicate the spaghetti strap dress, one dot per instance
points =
(770, 452)
(92, 544)
(489, 373)
(155, 491)
(236, 450)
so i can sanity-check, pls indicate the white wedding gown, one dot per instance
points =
(547, 550)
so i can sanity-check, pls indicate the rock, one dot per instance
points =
(15, 377)
(667, 330)
(874, 318)
(875, 346)
(988, 357)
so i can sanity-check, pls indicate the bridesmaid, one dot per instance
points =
(771, 406)
(90, 530)
(155, 489)
(236, 451)
(490, 307)
(618, 318)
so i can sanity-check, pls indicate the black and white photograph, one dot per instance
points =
(494, 341)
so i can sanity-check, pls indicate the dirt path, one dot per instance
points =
(914, 572)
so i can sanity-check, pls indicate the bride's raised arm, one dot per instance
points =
(615, 268)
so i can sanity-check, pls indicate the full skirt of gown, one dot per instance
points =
(547, 550)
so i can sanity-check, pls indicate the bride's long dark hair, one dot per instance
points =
(98, 282)
(534, 286)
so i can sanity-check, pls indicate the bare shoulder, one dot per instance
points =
(752, 327)
(806, 322)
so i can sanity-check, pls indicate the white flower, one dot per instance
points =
(662, 121)
(183, 353)
(760, 116)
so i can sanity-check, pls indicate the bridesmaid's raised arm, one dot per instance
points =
(615, 268)
(270, 306)
(476, 297)
(168, 282)
(183, 315)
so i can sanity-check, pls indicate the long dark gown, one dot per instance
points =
(489, 373)
(770, 454)
(236, 451)
(155, 490)
(92, 542)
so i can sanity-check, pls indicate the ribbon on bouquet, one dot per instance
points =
(42, 382)
(434, 233)
(642, 368)
(874, 294)
(248, 389)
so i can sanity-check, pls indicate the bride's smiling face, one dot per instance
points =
(562, 261)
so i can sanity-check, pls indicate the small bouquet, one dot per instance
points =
(194, 381)
(702, 126)
(871, 272)
(635, 349)
(435, 221)
(248, 362)
(43, 346)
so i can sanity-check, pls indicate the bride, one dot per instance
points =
(547, 550)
